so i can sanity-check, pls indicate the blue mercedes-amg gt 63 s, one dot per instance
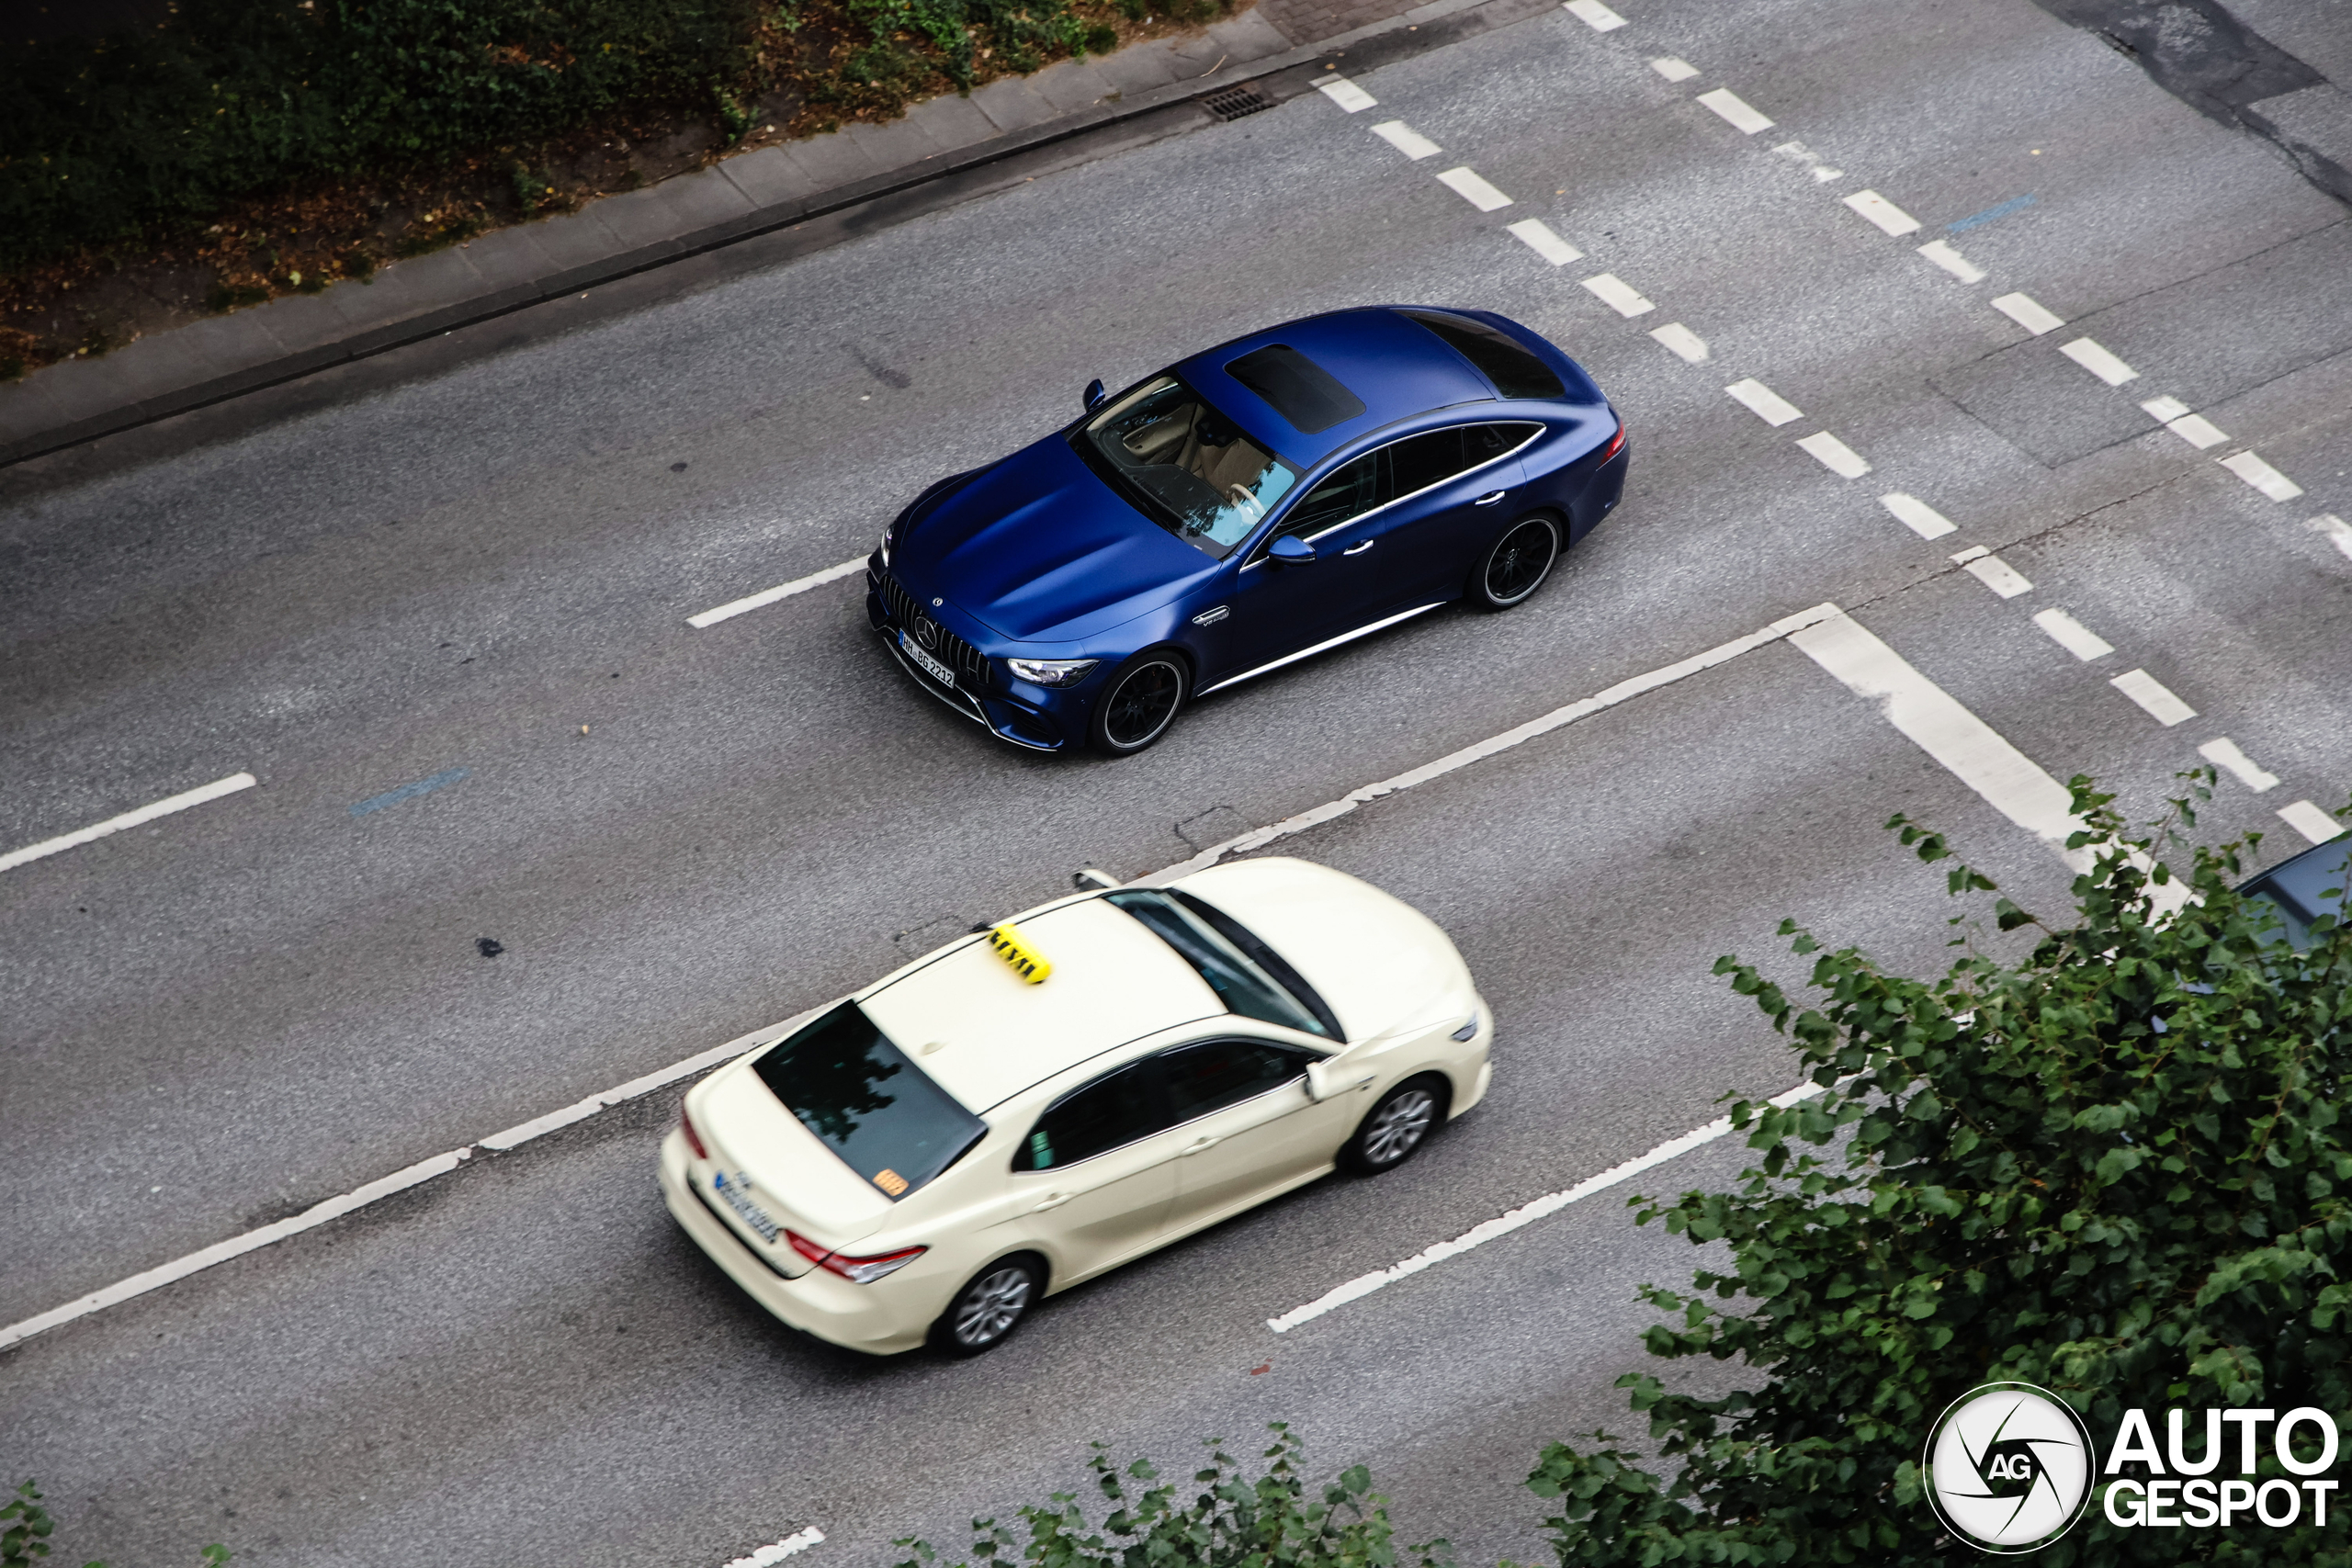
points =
(1249, 507)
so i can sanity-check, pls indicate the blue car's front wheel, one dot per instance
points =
(1138, 704)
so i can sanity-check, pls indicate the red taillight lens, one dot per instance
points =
(859, 1271)
(694, 1139)
(806, 1248)
(1616, 443)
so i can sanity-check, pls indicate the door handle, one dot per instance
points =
(1197, 1145)
(1359, 549)
(1490, 497)
(1056, 1202)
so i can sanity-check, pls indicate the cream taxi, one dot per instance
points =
(1033, 1105)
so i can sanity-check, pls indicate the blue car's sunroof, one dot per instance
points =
(1295, 387)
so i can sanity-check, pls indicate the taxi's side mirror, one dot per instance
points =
(1318, 1082)
(1094, 393)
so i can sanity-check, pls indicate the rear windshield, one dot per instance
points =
(1510, 365)
(865, 1101)
(1184, 465)
(1296, 388)
(1250, 977)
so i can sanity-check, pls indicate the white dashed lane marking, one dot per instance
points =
(1735, 110)
(1763, 402)
(1681, 341)
(2193, 428)
(1609, 291)
(2311, 821)
(2263, 476)
(2092, 358)
(1467, 185)
(2073, 636)
(770, 596)
(777, 1551)
(1918, 515)
(1405, 139)
(1673, 69)
(2225, 753)
(1537, 236)
(1346, 94)
(146, 814)
(1834, 456)
(1594, 15)
(1952, 262)
(2028, 313)
(1799, 153)
(1882, 212)
(1993, 572)
(2154, 696)
(2334, 530)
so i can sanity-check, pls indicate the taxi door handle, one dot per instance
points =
(1197, 1145)
(1056, 1202)
(1490, 497)
(1359, 549)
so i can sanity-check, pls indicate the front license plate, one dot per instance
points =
(938, 672)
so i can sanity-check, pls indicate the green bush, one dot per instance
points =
(24, 1540)
(2117, 1169)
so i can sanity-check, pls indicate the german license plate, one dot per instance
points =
(932, 667)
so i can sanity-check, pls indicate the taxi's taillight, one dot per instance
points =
(694, 1139)
(858, 1271)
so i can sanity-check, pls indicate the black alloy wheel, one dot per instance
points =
(1518, 564)
(1397, 1126)
(1138, 704)
(989, 1307)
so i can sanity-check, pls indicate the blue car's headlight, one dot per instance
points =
(1051, 671)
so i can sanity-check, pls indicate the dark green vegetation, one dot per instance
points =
(26, 1527)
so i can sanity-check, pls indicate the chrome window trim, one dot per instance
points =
(1258, 557)
(1320, 648)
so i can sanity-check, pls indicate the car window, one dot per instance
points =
(1218, 1073)
(1246, 976)
(1186, 466)
(1432, 457)
(1510, 365)
(1295, 387)
(1350, 490)
(1111, 1113)
(1485, 443)
(2314, 884)
(882, 1115)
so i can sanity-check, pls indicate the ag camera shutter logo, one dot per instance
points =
(2009, 1467)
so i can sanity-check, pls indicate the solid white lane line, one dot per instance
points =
(770, 596)
(1594, 15)
(1735, 110)
(2337, 530)
(2263, 476)
(1405, 139)
(1606, 288)
(1941, 726)
(163, 807)
(2225, 753)
(1918, 515)
(1473, 189)
(1882, 212)
(1797, 152)
(777, 1551)
(1346, 94)
(2154, 696)
(1525, 1214)
(1993, 572)
(1952, 262)
(1835, 455)
(2311, 821)
(1537, 236)
(2096, 360)
(1673, 69)
(2027, 312)
(1689, 345)
(2073, 636)
(1763, 402)
(2197, 429)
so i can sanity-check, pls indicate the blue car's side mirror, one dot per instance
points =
(1291, 550)
(1094, 393)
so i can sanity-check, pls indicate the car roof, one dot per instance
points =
(984, 1034)
(1396, 366)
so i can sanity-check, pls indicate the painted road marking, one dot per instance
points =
(2028, 313)
(2225, 753)
(1525, 1214)
(2015, 204)
(163, 807)
(1594, 15)
(1473, 189)
(1763, 402)
(2154, 696)
(1882, 212)
(2164, 409)
(376, 803)
(2073, 636)
(2197, 429)
(1952, 262)
(1405, 139)
(2263, 476)
(1993, 572)
(2311, 821)
(1734, 109)
(1537, 236)
(2095, 360)
(1835, 455)
(1918, 515)
(1797, 152)
(777, 1551)
(1936, 722)
(1345, 93)
(1674, 69)
(1606, 288)
(1684, 341)
(2337, 530)
(770, 596)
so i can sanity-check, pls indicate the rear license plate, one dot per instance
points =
(932, 667)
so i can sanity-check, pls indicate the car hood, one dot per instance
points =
(1039, 549)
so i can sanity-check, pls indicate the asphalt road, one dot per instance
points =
(219, 1019)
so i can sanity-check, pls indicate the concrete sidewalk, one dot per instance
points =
(509, 269)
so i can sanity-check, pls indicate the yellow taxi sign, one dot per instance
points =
(1026, 961)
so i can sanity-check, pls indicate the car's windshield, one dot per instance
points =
(1188, 466)
(865, 1101)
(1249, 976)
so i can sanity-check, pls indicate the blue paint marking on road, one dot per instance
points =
(2017, 204)
(407, 792)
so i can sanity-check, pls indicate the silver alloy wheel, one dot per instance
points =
(1398, 1128)
(991, 1306)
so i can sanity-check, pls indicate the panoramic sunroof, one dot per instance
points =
(1296, 388)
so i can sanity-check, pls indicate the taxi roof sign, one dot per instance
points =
(1026, 961)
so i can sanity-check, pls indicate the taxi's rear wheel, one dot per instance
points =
(1394, 1129)
(989, 1307)
(1138, 704)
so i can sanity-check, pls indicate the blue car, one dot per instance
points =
(1251, 506)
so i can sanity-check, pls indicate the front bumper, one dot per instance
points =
(1029, 716)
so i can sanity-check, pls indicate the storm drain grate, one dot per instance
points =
(1232, 103)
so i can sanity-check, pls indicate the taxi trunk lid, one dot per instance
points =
(768, 1174)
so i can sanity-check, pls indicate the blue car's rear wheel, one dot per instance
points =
(1138, 704)
(1516, 565)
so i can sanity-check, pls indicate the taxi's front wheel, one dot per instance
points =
(1396, 1127)
(986, 1310)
